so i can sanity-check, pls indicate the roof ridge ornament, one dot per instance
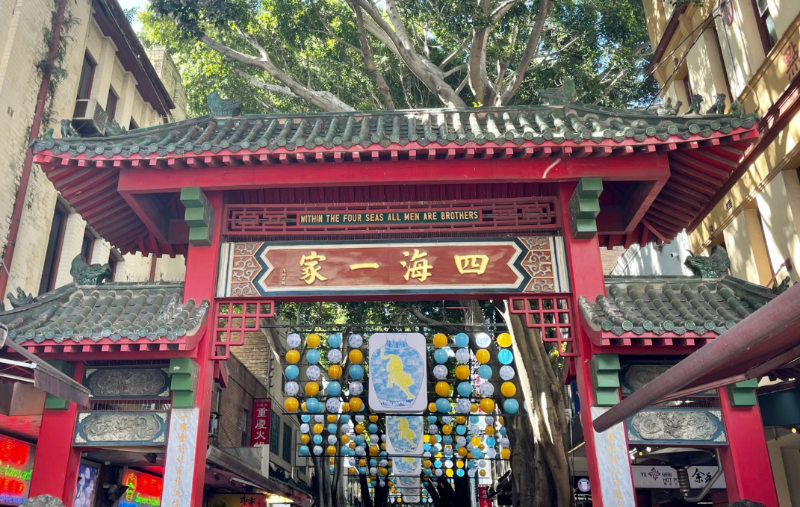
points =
(20, 299)
(89, 274)
(219, 107)
(715, 265)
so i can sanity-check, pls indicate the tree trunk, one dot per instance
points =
(547, 428)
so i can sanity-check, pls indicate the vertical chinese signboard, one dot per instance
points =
(259, 431)
(181, 446)
(16, 466)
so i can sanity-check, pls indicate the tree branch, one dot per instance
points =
(322, 99)
(508, 92)
(369, 59)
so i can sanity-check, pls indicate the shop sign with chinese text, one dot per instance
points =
(259, 431)
(16, 466)
(511, 265)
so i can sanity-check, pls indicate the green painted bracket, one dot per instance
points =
(184, 382)
(54, 402)
(743, 394)
(199, 216)
(605, 378)
(584, 207)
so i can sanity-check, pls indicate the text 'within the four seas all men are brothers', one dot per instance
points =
(389, 217)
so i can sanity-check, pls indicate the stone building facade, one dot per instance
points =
(99, 62)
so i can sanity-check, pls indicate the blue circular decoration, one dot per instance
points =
(485, 371)
(462, 340)
(511, 406)
(317, 439)
(461, 429)
(334, 388)
(356, 371)
(373, 462)
(460, 472)
(476, 453)
(443, 405)
(360, 440)
(427, 447)
(313, 405)
(464, 389)
(431, 419)
(292, 372)
(345, 418)
(437, 463)
(312, 356)
(335, 341)
(303, 450)
(362, 470)
(447, 440)
(440, 356)
(505, 356)
(305, 417)
(473, 419)
(491, 442)
(482, 340)
(332, 428)
(503, 431)
(344, 451)
(373, 428)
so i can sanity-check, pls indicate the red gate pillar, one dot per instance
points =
(55, 466)
(187, 441)
(745, 460)
(587, 279)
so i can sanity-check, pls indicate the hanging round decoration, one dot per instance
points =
(462, 355)
(483, 340)
(505, 356)
(355, 341)
(292, 356)
(312, 356)
(356, 371)
(482, 355)
(312, 340)
(334, 355)
(440, 356)
(507, 372)
(291, 388)
(440, 371)
(293, 340)
(440, 340)
(504, 340)
(335, 340)
(510, 406)
(292, 372)
(462, 340)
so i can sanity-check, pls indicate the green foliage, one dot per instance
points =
(602, 45)
(51, 67)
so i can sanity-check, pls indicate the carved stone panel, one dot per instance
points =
(121, 428)
(129, 382)
(677, 426)
(634, 376)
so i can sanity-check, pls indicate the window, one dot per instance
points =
(86, 247)
(245, 428)
(87, 76)
(53, 251)
(274, 431)
(766, 25)
(111, 104)
(286, 450)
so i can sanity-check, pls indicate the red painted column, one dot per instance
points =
(745, 460)
(587, 279)
(55, 467)
(200, 284)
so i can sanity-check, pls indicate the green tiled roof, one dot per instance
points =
(132, 311)
(676, 306)
(534, 125)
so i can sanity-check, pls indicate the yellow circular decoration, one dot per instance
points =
(311, 388)
(373, 418)
(476, 441)
(312, 340)
(504, 340)
(356, 404)
(460, 419)
(447, 429)
(292, 356)
(442, 388)
(331, 418)
(426, 438)
(459, 464)
(304, 438)
(291, 404)
(373, 450)
(473, 407)
(508, 389)
(483, 473)
(355, 356)
(462, 451)
(449, 472)
(427, 463)
(462, 372)
(362, 462)
(383, 471)
(482, 355)
(487, 405)
(505, 453)
(432, 407)
(489, 430)
(345, 406)
(317, 428)
(500, 420)
(345, 438)
(352, 444)
(331, 460)
(359, 428)
(303, 407)
(383, 446)
(335, 371)
(351, 471)
(331, 450)
(440, 339)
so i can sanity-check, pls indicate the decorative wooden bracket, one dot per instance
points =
(743, 394)
(184, 381)
(605, 377)
(584, 207)
(199, 216)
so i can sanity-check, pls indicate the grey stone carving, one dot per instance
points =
(680, 425)
(131, 428)
(127, 382)
(636, 376)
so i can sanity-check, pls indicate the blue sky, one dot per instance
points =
(127, 4)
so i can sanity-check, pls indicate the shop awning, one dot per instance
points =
(34, 370)
(244, 475)
(767, 340)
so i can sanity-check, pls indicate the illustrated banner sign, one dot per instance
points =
(397, 373)
(527, 264)
(259, 432)
(404, 435)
